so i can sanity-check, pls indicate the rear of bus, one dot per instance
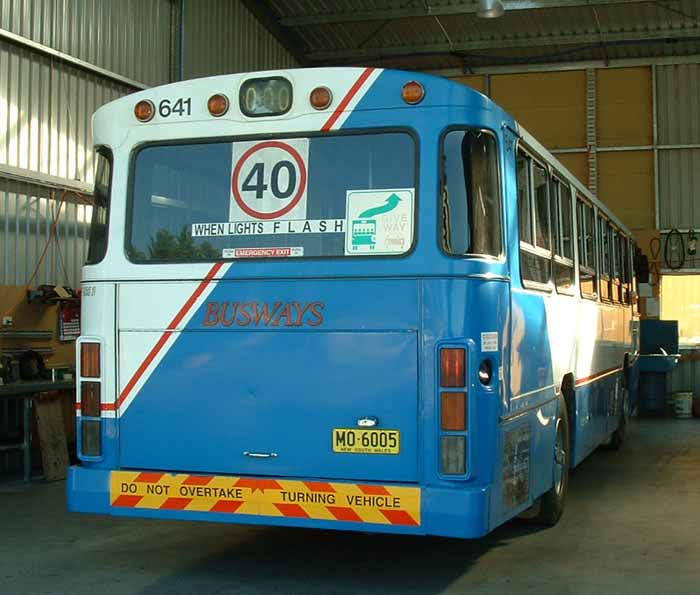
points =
(294, 303)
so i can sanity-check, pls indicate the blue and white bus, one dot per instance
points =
(344, 298)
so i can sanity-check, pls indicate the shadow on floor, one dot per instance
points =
(293, 561)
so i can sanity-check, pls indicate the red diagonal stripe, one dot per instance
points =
(347, 99)
(175, 503)
(319, 486)
(127, 501)
(164, 337)
(258, 484)
(343, 513)
(230, 506)
(293, 510)
(149, 477)
(374, 490)
(398, 517)
(197, 480)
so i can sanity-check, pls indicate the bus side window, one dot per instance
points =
(605, 283)
(541, 206)
(561, 237)
(587, 244)
(471, 203)
(625, 258)
(617, 273)
(525, 216)
(533, 211)
(97, 245)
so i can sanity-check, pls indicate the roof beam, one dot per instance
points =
(288, 39)
(378, 53)
(425, 10)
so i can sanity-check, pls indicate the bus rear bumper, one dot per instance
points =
(457, 512)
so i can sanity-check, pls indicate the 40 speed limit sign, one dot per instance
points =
(269, 180)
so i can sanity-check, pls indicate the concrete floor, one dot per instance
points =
(632, 525)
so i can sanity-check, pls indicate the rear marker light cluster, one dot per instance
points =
(90, 392)
(453, 411)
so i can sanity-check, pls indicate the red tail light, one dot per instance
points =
(452, 368)
(454, 412)
(90, 360)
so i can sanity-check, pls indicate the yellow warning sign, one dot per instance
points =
(365, 503)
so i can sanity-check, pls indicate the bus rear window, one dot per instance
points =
(470, 199)
(323, 196)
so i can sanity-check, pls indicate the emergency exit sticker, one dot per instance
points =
(379, 221)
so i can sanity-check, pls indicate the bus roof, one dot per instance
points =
(109, 120)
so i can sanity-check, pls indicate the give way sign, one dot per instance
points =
(269, 180)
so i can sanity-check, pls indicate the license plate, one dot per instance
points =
(370, 442)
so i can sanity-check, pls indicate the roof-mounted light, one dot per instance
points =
(320, 98)
(144, 110)
(413, 92)
(218, 105)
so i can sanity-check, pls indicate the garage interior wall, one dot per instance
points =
(222, 36)
(46, 107)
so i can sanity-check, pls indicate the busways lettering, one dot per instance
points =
(265, 314)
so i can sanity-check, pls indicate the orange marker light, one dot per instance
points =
(144, 111)
(218, 105)
(453, 412)
(320, 98)
(413, 92)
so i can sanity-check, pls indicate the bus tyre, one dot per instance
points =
(618, 436)
(552, 502)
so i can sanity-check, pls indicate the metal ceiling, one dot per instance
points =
(439, 34)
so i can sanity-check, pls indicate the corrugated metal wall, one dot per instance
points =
(685, 377)
(27, 212)
(46, 107)
(45, 111)
(129, 37)
(678, 123)
(222, 36)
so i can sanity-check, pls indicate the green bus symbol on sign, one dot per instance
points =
(364, 233)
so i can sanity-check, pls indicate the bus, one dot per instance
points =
(343, 298)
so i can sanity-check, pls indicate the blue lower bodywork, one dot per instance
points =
(447, 512)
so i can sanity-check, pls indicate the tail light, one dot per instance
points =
(90, 438)
(453, 411)
(452, 368)
(90, 360)
(90, 398)
(453, 455)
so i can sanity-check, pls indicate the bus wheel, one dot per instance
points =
(552, 502)
(618, 436)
